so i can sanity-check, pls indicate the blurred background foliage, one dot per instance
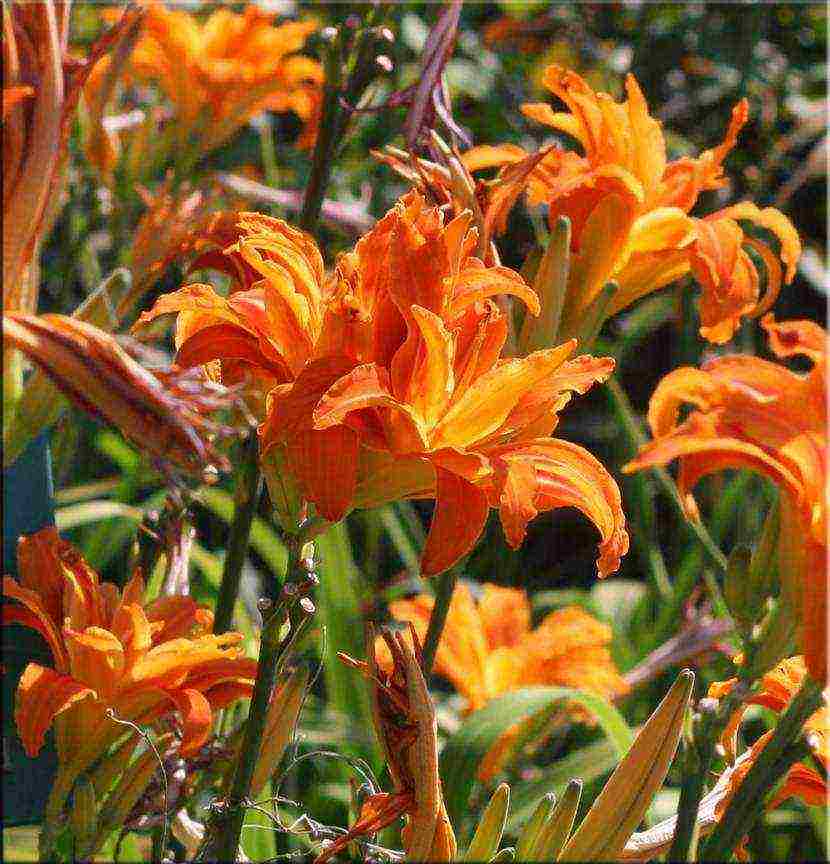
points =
(693, 61)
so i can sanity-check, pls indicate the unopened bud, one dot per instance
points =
(485, 842)
(737, 590)
(307, 606)
(84, 818)
(384, 63)
(774, 642)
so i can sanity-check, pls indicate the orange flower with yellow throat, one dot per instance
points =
(115, 658)
(386, 380)
(629, 209)
(757, 414)
(216, 73)
(488, 648)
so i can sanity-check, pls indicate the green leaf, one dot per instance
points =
(589, 763)
(464, 751)
(401, 537)
(339, 603)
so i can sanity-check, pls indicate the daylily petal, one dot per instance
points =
(565, 475)
(325, 461)
(460, 515)
(96, 658)
(42, 694)
(505, 615)
(484, 407)
(36, 616)
(197, 719)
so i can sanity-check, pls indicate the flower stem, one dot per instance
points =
(343, 88)
(697, 760)
(637, 437)
(438, 618)
(772, 763)
(247, 494)
(296, 613)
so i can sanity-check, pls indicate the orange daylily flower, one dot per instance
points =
(629, 208)
(488, 648)
(112, 653)
(387, 382)
(757, 414)
(217, 73)
(778, 686)
(405, 725)
(41, 86)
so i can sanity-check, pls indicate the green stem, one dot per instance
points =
(637, 437)
(247, 495)
(438, 618)
(272, 653)
(772, 763)
(360, 71)
(698, 756)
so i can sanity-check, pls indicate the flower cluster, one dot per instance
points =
(215, 73)
(757, 414)
(115, 659)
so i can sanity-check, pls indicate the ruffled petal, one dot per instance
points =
(485, 406)
(564, 475)
(197, 719)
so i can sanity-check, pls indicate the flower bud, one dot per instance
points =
(623, 802)
(557, 828)
(550, 284)
(83, 819)
(529, 836)
(485, 842)
(737, 591)
(280, 723)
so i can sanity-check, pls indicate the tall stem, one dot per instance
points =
(634, 432)
(438, 618)
(343, 87)
(248, 490)
(772, 763)
(272, 653)
(697, 761)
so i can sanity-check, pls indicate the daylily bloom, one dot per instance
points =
(802, 781)
(405, 725)
(114, 656)
(41, 86)
(757, 414)
(216, 73)
(386, 380)
(630, 208)
(488, 648)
